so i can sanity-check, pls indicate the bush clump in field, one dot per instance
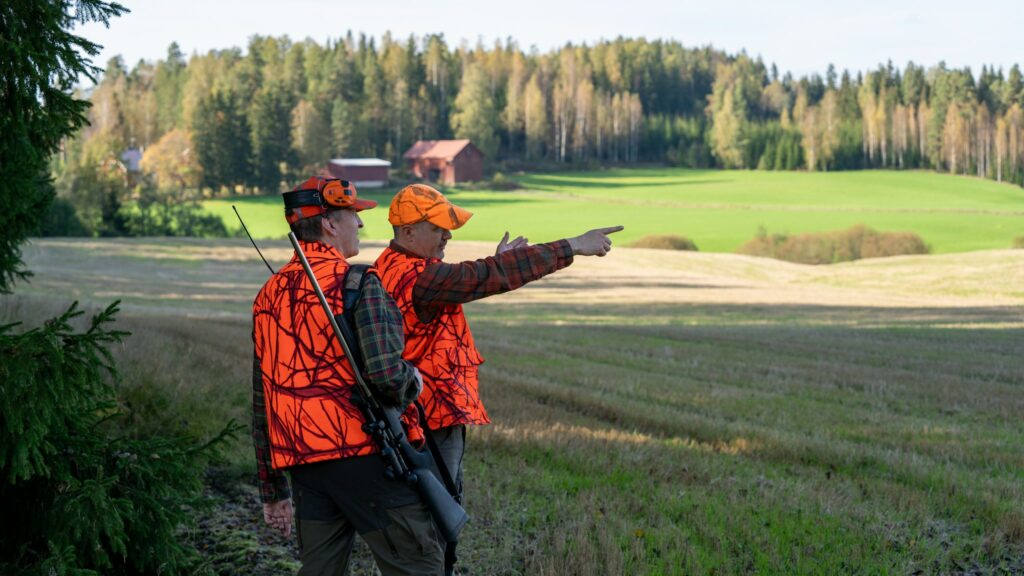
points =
(502, 182)
(854, 243)
(665, 242)
(1018, 242)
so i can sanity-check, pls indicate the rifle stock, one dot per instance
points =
(403, 460)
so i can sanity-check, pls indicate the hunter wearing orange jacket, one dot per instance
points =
(305, 415)
(430, 293)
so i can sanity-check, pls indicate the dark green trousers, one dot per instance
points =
(337, 499)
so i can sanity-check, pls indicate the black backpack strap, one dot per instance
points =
(352, 291)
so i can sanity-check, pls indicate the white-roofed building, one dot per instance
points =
(364, 172)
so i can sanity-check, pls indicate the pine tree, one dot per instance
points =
(169, 84)
(270, 121)
(535, 118)
(222, 141)
(476, 116)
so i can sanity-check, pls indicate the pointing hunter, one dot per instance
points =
(430, 294)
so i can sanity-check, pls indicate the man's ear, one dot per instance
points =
(327, 226)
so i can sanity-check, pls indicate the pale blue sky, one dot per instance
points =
(802, 36)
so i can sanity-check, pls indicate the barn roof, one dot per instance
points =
(441, 149)
(360, 162)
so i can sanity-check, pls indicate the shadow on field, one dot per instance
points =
(582, 285)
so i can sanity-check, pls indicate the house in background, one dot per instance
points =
(445, 161)
(363, 172)
(132, 160)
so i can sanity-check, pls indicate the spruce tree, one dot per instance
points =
(40, 60)
(78, 493)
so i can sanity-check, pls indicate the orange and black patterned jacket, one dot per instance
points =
(307, 384)
(430, 294)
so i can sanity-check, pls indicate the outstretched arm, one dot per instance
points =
(442, 284)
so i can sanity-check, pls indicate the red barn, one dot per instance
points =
(445, 161)
(364, 172)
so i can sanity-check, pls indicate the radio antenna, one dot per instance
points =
(244, 227)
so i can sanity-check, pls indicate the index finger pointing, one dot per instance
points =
(611, 230)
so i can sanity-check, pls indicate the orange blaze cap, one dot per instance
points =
(419, 202)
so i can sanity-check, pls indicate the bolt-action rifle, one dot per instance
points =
(383, 423)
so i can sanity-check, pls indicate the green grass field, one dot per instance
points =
(718, 209)
(654, 412)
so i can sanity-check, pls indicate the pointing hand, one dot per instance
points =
(594, 243)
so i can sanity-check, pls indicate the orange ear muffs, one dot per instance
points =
(317, 195)
(339, 193)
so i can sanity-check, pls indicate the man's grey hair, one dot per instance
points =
(310, 229)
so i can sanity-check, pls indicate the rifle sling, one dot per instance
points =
(435, 451)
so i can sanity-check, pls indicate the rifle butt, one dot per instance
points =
(449, 516)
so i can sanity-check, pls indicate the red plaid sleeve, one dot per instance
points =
(273, 483)
(381, 338)
(442, 284)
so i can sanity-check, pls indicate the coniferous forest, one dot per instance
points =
(254, 119)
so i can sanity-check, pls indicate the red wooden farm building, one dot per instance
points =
(445, 161)
(365, 172)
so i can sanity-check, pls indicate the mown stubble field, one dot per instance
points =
(654, 412)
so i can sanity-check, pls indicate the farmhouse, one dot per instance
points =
(131, 159)
(364, 172)
(445, 161)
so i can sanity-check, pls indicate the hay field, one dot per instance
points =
(658, 412)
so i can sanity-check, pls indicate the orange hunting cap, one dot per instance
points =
(419, 202)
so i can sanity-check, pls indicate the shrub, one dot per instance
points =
(763, 245)
(1018, 242)
(88, 496)
(892, 244)
(665, 242)
(172, 219)
(847, 245)
(62, 220)
(502, 182)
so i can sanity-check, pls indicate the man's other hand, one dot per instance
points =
(419, 381)
(279, 516)
(505, 245)
(594, 243)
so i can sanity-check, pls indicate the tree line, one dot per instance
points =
(255, 119)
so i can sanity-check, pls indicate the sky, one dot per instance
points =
(800, 36)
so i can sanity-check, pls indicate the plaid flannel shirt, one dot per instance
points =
(442, 284)
(379, 330)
